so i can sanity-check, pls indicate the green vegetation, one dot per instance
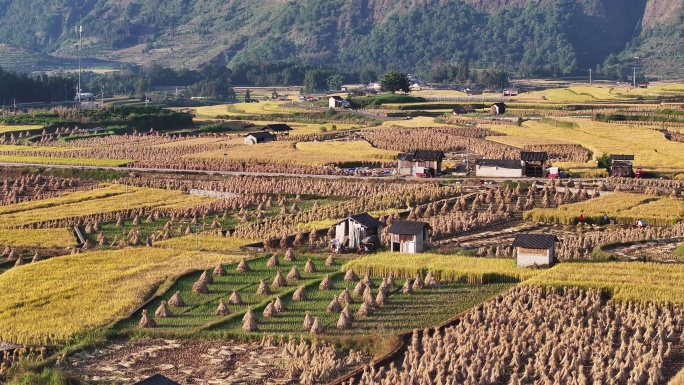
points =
(394, 81)
(402, 313)
(380, 100)
(679, 251)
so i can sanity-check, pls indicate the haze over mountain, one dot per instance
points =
(531, 37)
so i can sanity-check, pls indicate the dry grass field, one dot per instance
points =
(206, 243)
(37, 238)
(261, 108)
(306, 153)
(50, 301)
(65, 161)
(106, 199)
(19, 149)
(623, 207)
(650, 148)
(628, 281)
(7, 129)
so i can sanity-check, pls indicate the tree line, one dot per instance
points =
(24, 88)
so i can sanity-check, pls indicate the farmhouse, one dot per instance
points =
(499, 168)
(511, 91)
(422, 163)
(621, 165)
(337, 102)
(353, 229)
(277, 128)
(534, 163)
(498, 108)
(409, 236)
(535, 249)
(258, 137)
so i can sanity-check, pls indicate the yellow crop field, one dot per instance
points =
(628, 281)
(7, 129)
(65, 161)
(419, 121)
(313, 154)
(37, 238)
(452, 268)
(207, 242)
(261, 108)
(200, 141)
(622, 207)
(522, 141)
(357, 149)
(105, 199)
(50, 301)
(12, 148)
(650, 148)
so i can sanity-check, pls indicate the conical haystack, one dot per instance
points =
(269, 310)
(243, 267)
(327, 283)
(279, 280)
(222, 308)
(350, 276)
(384, 287)
(207, 277)
(418, 283)
(136, 220)
(249, 314)
(12, 256)
(163, 310)
(119, 222)
(430, 280)
(6, 252)
(19, 262)
(263, 289)
(146, 321)
(330, 261)
(343, 322)
(299, 294)
(381, 298)
(369, 298)
(176, 300)
(309, 267)
(289, 255)
(334, 306)
(367, 280)
(273, 261)
(36, 257)
(200, 287)
(365, 310)
(249, 324)
(294, 275)
(317, 328)
(279, 306)
(235, 298)
(220, 270)
(345, 297)
(347, 311)
(307, 321)
(390, 281)
(407, 289)
(359, 289)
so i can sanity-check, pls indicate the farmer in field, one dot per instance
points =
(581, 218)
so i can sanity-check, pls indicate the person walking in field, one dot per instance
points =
(581, 218)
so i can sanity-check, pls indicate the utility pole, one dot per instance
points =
(634, 76)
(589, 76)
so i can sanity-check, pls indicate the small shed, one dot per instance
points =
(157, 379)
(356, 227)
(277, 128)
(421, 163)
(499, 168)
(535, 249)
(535, 163)
(621, 165)
(258, 137)
(409, 236)
(498, 108)
(337, 102)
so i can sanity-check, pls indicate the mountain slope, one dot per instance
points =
(530, 36)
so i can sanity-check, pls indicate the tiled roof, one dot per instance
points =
(503, 163)
(621, 157)
(366, 220)
(533, 156)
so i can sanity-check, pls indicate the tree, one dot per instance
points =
(604, 162)
(335, 82)
(394, 81)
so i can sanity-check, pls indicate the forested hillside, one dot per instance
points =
(530, 37)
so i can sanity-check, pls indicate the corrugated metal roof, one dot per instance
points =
(407, 227)
(365, 220)
(277, 127)
(260, 135)
(621, 157)
(503, 163)
(422, 155)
